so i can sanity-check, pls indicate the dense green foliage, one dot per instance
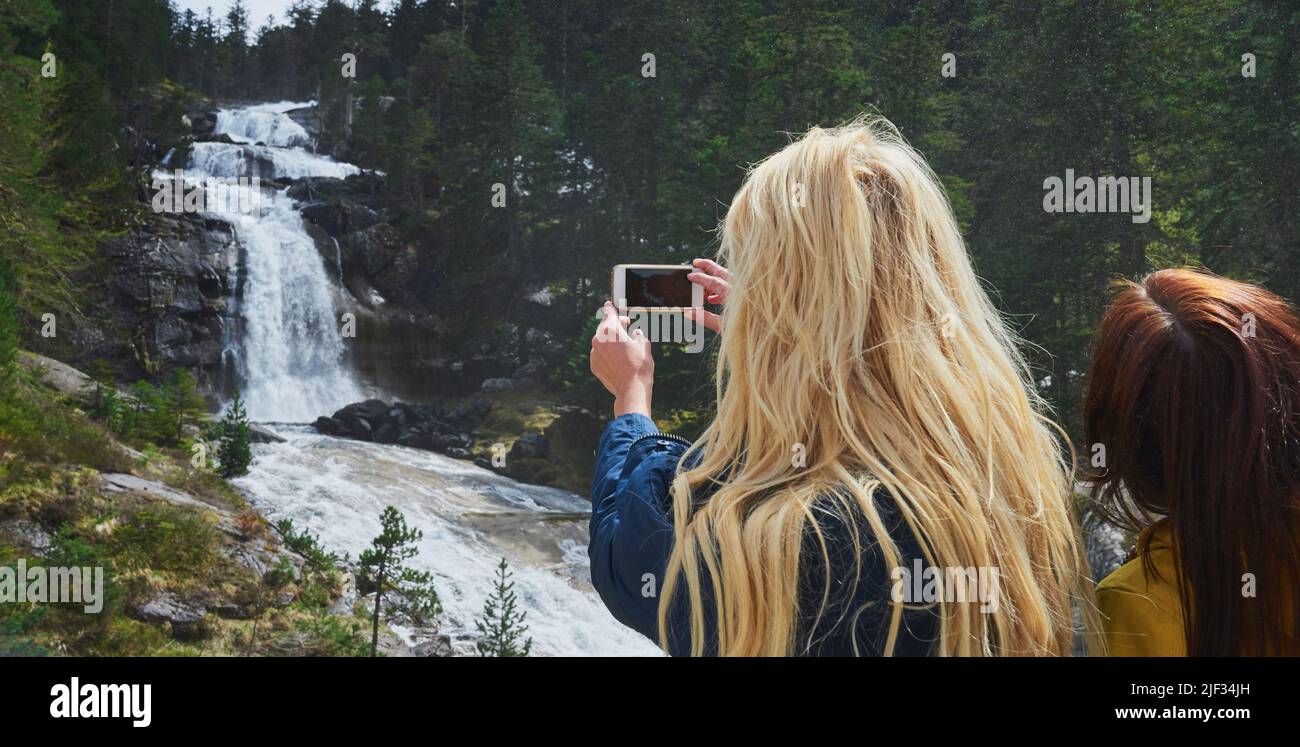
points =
(77, 145)
(163, 414)
(602, 163)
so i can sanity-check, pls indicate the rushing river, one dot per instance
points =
(471, 518)
(294, 367)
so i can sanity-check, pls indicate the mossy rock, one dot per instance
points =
(535, 471)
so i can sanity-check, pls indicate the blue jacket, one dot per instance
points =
(632, 537)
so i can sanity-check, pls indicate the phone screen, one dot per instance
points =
(658, 287)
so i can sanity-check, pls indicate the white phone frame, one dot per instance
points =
(620, 288)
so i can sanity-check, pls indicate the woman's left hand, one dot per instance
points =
(623, 363)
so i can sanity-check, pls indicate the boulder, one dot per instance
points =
(260, 434)
(437, 646)
(209, 137)
(429, 427)
(57, 375)
(499, 384)
(328, 426)
(530, 446)
(25, 533)
(185, 617)
(371, 409)
(388, 432)
(357, 427)
(202, 122)
(308, 118)
(312, 188)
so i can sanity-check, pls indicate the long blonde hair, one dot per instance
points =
(857, 335)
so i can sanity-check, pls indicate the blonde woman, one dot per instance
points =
(879, 478)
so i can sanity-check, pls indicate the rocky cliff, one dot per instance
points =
(168, 290)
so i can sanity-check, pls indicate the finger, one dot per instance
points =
(638, 337)
(710, 267)
(709, 319)
(713, 285)
(609, 317)
(612, 326)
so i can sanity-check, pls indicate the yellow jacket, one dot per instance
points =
(1142, 615)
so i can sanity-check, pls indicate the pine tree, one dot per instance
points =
(154, 419)
(507, 87)
(187, 404)
(502, 625)
(234, 48)
(411, 594)
(103, 401)
(235, 451)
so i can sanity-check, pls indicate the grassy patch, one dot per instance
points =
(51, 457)
(40, 429)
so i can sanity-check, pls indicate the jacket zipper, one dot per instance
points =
(669, 436)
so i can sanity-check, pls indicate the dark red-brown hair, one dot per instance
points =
(1194, 394)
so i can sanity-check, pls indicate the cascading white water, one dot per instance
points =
(470, 517)
(292, 357)
(263, 123)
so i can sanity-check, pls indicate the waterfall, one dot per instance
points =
(291, 357)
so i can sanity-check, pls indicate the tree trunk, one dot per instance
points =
(374, 618)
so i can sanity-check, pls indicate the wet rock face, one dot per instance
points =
(340, 217)
(352, 229)
(202, 121)
(308, 119)
(379, 253)
(362, 188)
(170, 288)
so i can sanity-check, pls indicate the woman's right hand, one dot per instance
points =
(716, 282)
(623, 362)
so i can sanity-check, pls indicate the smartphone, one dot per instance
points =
(655, 288)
